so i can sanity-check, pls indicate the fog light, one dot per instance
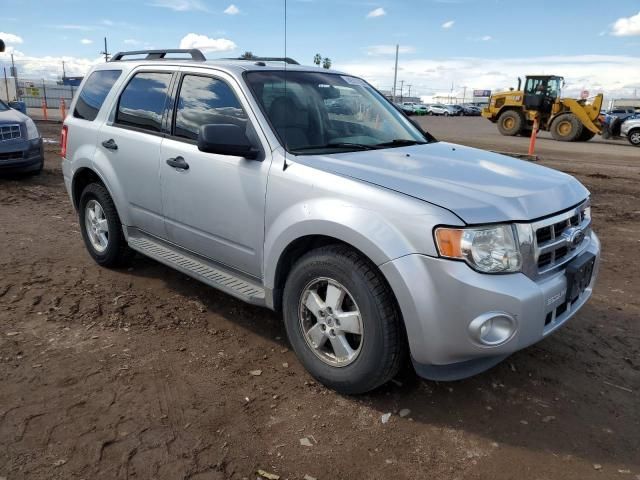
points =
(493, 328)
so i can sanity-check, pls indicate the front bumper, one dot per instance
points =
(21, 156)
(439, 298)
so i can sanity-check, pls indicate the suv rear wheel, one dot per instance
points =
(342, 320)
(101, 228)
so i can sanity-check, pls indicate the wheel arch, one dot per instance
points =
(85, 175)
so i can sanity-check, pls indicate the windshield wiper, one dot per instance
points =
(358, 146)
(400, 142)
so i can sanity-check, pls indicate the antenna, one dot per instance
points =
(106, 51)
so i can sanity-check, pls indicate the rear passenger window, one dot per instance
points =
(143, 101)
(92, 95)
(203, 101)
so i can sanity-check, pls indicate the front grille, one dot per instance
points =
(559, 238)
(11, 156)
(9, 132)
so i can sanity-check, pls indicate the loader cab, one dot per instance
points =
(541, 92)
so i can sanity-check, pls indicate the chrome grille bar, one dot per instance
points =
(10, 132)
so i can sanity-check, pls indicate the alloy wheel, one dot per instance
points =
(331, 322)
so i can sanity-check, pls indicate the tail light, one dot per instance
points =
(63, 141)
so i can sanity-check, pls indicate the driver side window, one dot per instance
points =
(203, 101)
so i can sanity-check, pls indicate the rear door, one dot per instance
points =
(214, 208)
(131, 140)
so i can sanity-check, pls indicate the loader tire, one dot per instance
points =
(586, 135)
(566, 128)
(510, 123)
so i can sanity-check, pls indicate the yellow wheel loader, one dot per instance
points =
(567, 119)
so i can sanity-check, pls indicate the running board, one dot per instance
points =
(197, 268)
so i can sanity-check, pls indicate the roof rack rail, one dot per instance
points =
(288, 60)
(196, 54)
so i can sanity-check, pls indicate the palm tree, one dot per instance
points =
(326, 63)
(317, 59)
(247, 56)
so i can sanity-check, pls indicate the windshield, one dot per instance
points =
(330, 113)
(3, 106)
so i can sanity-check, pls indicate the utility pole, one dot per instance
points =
(409, 94)
(6, 82)
(106, 51)
(64, 74)
(451, 92)
(395, 74)
(464, 96)
(401, 90)
(14, 74)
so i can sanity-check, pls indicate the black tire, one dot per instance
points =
(566, 128)
(383, 340)
(117, 252)
(511, 123)
(446, 114)
(586, 135)
(634, 137)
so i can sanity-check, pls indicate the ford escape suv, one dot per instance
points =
(373, 239)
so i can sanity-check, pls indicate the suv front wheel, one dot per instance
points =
(101, 228)
(342, 320)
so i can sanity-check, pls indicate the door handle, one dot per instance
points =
(110, 144)
(178, 162)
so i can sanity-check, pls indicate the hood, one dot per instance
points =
(12, 116)
(478, 186)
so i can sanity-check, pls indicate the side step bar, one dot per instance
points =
(198, 268)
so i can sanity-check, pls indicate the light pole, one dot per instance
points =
(395, 74)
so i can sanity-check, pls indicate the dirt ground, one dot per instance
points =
(143, 373)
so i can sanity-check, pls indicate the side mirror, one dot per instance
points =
(226, 139)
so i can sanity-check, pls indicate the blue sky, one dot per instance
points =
(472, 43)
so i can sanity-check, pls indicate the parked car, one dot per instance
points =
(457, 110)
(420, 109)
(373, 239)
(631, 129)
(622, 112)
(408, 107)
(472, 111)
(21, 149)
(440, 109)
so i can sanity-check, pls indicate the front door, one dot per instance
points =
(215, 207)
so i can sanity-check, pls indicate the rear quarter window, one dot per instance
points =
(93, 93)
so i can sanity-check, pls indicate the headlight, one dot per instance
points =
(487, 249)
(32, 130)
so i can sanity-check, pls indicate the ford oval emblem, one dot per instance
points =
(576, 238)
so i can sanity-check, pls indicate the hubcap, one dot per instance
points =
(635, 138)
(95, 223)
(508, 123)
(331, 322)
(564, 128)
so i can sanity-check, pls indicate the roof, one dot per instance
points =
(232, 66)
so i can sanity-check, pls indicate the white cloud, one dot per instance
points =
(614, 75)
(10, 38)
(180, 5)
(49, 67)
(206, 44)
(86, 41)
(232, 10)
(627, 27)
(83, 28)
(389, 49)
(486, 38)
(378, 12)
(448, 24)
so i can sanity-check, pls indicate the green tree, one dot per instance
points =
(326, 63)
(317, 59)
(247, 56)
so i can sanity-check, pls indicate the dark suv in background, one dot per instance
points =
(21, 148)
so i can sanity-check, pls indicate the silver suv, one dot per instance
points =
(373, 239)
